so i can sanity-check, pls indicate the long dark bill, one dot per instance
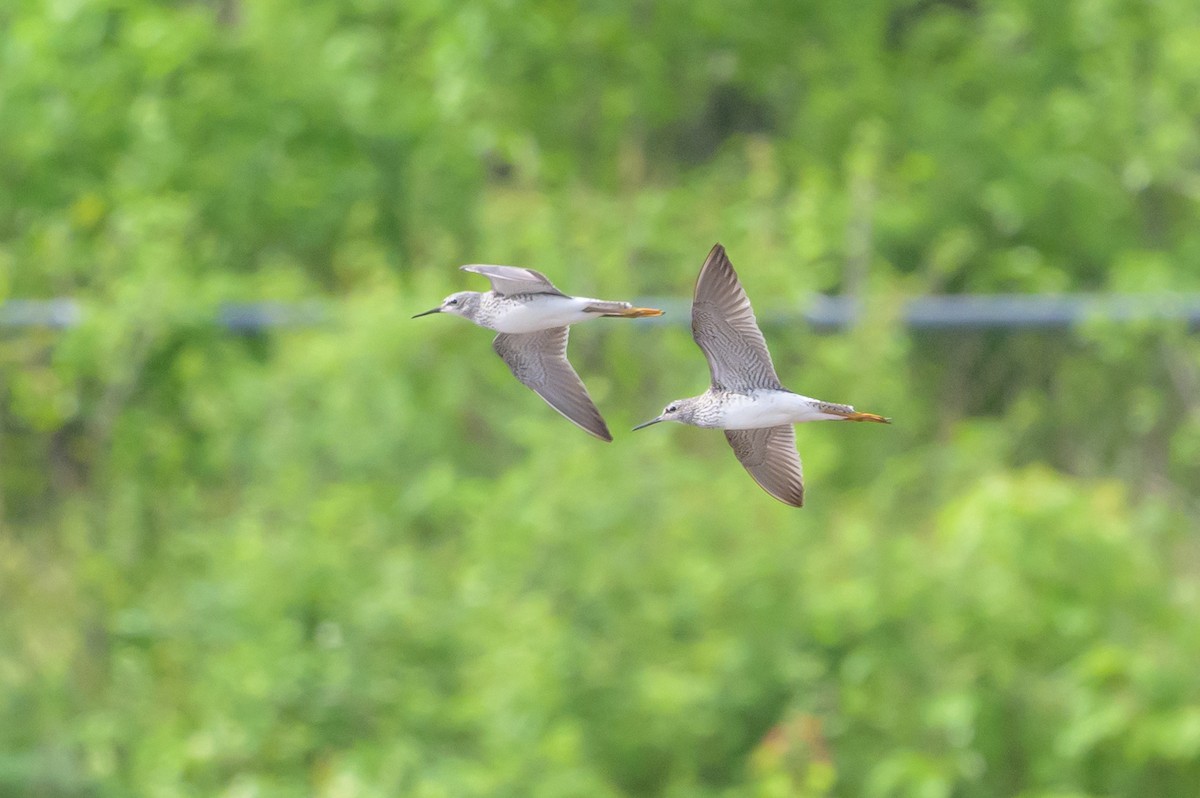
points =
(648, 423)
(426, 313)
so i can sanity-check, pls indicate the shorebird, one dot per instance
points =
(532, 319)
(746, 398)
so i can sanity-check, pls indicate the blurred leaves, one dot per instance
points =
(359, 559)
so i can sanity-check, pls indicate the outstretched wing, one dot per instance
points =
(724, 327)
(770, 455)
(539, 360)
(514, 280)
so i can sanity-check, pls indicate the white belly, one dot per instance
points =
(765, 408)
(542, 312)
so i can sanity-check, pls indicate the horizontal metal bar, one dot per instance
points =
(824, 313)
(974, 311)
(1015, 311)
(247, 317)
(237, 317)
(54, 313)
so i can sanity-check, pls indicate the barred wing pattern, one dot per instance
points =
(508, 280)
(770, 455)
(539, 361)
(724, 327)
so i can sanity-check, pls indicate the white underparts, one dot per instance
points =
(539, 312)
(769, 408)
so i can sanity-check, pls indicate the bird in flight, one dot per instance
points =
(532, 319)
(746, 399)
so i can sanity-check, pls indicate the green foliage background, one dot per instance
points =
(358, 559)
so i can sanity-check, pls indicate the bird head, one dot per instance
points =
(461, 304)
(681, 410)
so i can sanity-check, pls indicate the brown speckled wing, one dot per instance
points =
(725, 329)
(770, 455)
(539, 360)
(508, 280)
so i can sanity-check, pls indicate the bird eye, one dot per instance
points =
(671, 408)
(452, 302)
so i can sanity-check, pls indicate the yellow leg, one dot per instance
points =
(636, 313)
(867, 417)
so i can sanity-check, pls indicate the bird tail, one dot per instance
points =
(849, 413)
(622, 310)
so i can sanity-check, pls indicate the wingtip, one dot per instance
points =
(791, 499)
(718, 258)
(479, 268)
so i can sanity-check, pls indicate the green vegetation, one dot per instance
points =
(359, 559)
